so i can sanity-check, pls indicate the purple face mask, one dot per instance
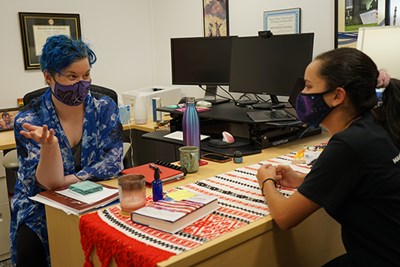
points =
(312, 108)
(72, 95)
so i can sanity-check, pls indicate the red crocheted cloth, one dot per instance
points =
(112, 243)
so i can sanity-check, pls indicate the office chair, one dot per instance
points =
(10, 160)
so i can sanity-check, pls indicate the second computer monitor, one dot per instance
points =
(201, 61)
(269, 65)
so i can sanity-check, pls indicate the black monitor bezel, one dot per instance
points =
(204, 81)
(307, 37)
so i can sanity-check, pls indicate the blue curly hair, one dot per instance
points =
(60, 51)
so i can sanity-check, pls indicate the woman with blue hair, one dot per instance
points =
(64, 136)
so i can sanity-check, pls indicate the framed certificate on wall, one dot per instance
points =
(283, 21)
(37, 27)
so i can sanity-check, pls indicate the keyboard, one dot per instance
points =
(270, 116)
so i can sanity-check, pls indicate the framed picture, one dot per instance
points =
(37, 27)
(351, 15)
(215, 18)
(7, 117)
(284, 21)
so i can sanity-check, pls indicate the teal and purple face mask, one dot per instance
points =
(312, 108)
(72, 95)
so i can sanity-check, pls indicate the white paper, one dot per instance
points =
(369, 17)
(53, 204)
(91, 198)
(178, 135)
(42, 32)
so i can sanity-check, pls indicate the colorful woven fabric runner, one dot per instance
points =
(240, 203)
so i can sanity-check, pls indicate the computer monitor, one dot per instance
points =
(201, 61)
(269, 65)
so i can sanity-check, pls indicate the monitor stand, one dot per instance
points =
(274, 104)
(211, 95)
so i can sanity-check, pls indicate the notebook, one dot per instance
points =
(280, 115)
(74, 203)
(169, 172)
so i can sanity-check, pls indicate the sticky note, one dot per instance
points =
(180, 195)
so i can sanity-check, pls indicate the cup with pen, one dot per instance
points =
(132, 193)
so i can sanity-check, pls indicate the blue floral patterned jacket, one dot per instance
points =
(101, 156)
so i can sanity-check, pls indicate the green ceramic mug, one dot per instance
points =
(189, 157)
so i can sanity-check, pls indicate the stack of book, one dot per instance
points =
(73, 202)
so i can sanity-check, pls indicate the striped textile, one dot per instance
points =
(240, 203)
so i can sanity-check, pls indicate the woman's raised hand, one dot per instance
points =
(41, 134)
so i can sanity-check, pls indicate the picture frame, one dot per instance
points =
(283, 21)
(37, 27)
(215, 18)
(351, 15)
(7, 117)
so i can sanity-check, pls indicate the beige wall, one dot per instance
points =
(131, 37)
(184, 18)
(118, 31)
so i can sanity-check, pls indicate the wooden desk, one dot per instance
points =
(7, 140)
(260, 243)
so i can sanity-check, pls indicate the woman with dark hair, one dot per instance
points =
(64, 136)
(356, 179)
